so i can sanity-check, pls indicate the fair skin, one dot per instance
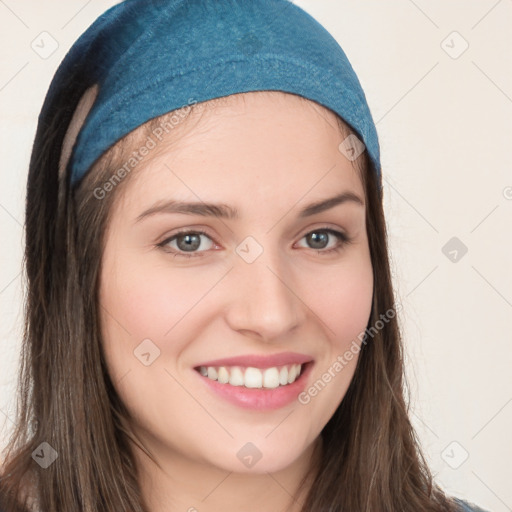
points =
(268, 157)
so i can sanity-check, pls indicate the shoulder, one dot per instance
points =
(466, 506)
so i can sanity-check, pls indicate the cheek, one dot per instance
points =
(342, 299)
(148, 301)
(141, 303)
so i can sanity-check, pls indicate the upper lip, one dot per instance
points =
(260, 361)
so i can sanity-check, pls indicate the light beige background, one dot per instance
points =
(445, 128)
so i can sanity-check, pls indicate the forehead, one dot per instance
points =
(265, 145)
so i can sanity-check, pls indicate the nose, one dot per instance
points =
(265, 302)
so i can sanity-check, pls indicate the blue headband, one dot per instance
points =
(150, 57)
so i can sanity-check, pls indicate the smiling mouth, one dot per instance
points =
(254, 378)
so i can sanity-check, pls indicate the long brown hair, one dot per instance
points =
(371, 459)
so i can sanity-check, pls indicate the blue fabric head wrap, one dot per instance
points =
(149, 57)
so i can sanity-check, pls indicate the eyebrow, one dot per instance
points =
(224, 211)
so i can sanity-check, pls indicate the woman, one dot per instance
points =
(210, 316)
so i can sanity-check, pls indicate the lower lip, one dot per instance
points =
(260, 399)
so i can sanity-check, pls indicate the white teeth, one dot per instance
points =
(271, 378)
(236, 377)
(291, 374)
(283, 376)
(250, 377)
(253, 378)
(223, 375)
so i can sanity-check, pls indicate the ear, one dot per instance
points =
(82, 110)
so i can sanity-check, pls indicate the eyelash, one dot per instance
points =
(342, 238)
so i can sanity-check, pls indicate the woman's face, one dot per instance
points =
(271, 280)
